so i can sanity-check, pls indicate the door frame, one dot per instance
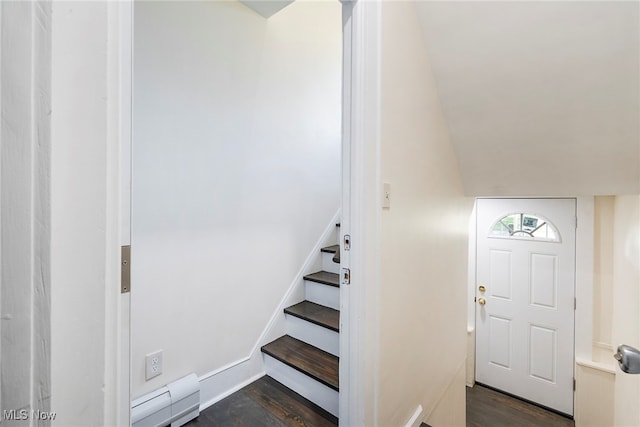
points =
(565, 211)
(361, 174)
(359, 315)
(122, 13)
(583, 316)
(360, 219)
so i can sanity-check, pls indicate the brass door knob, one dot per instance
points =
(481, 288)
(482, 301)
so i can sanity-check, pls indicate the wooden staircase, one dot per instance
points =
(306, 359)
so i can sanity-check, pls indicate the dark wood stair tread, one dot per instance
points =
(316, 313)
(309, 360)
(324, 277)
(330, 249)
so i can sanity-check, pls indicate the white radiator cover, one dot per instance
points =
(175, 404)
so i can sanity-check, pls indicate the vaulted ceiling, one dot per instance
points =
(542, 98)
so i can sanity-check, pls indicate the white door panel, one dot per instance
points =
(544, 280)
(500, 273)
(542, 355)
(525, 343)
(500, 341)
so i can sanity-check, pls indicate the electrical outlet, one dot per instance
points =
(154, 365)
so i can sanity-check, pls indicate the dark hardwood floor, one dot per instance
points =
(267, 403)
(264, 403)
(490, 408)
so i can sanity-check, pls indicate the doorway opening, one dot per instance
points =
(236, 174)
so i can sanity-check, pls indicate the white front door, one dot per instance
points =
(525, 278)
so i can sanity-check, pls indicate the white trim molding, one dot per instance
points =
(85, 215)
(585, 208)
(359, 345)
(598, 366)
(416, 418)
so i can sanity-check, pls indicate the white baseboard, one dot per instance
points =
(416, 418)
(218, 384)
(204, 404)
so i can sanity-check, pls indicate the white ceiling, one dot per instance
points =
(541, 98)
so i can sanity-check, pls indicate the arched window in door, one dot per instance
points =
(525, 226)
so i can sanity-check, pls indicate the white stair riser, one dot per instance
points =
(328, 264)
(326, 295)
(318, 336)
(323, 396)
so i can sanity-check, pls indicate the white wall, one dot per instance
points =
(626, 302)
(25, 226)
(604, 223)
(424, 237)
(595, 369)
(235, 172)
(595, 395)
(616, 304)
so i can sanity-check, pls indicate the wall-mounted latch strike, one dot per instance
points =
(125, 269)
(345, 276)
(347, 242)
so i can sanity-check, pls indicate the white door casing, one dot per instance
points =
(124, 12)
(525, 331)
(359, 316)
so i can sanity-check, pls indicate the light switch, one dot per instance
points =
(386, 195)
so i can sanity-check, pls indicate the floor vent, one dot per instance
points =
(175, 404)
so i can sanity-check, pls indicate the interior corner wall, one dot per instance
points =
(626, 302)
(424, 246)
(604, 394)
(604, 223)
(236, 172)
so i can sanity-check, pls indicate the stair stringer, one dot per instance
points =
(296, 293)
(218, 384)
